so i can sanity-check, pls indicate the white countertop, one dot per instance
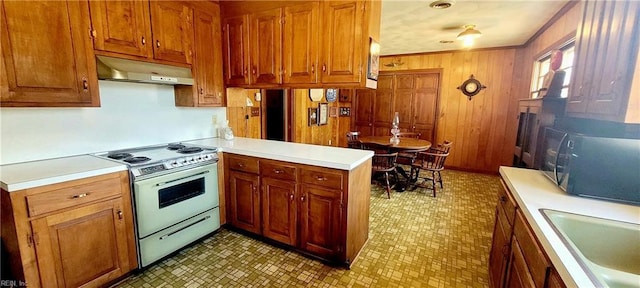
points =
(26, 175)
(19, 176)
(317, 155)
(533, 191)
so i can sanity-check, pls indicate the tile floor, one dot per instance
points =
(415, 240)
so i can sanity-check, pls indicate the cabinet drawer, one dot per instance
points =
(507, 202)
(278, 170)
(244, 164)
(532, 252)
(324, 178)
(49, 201)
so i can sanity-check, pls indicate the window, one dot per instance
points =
(541, 68)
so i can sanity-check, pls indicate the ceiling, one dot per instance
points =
(410, 26)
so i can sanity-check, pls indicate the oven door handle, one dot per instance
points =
(179, 179)
(185, 227)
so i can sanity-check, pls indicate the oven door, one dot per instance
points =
(168, 199)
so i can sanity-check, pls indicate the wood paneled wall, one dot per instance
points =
(327, 135)
(483, 130)
(239, 114)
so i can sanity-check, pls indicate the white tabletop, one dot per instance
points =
(533, 191)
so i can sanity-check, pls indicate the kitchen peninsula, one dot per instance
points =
(328, 204)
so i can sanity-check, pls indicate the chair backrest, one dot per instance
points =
(376, 148)
(442, 148)
(407, 156)
(409, 135)
(352, 140)
(384, 162)
(431, 160)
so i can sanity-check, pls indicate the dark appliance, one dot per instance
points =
(590, 166)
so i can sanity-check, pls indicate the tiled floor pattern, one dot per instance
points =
(415, 240)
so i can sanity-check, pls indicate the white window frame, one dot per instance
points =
(542, 65)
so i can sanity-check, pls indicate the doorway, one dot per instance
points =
(276, 115)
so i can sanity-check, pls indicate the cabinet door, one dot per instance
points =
(245, 201)
(500, 247)
(84, 246)
(403, 100)
(585, 53)
(207, 65)
(236, 50)
(300, 43)
(171, 25)
(519, 276)
(279, 210)
(122, 27)
(614, 63)
(47, 54)
(425, 102)
(266, 46)
(531, 136)
(342, 41)
(383, 107)
(363, 111)
(521, 137)
(321, 216)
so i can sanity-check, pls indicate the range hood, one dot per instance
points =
(117, 69)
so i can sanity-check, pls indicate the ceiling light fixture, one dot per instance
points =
(442, 4)
(468, 35)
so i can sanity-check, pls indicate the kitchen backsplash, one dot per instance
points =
(131, 115)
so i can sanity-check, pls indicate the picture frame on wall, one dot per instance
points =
(373, 67)
(313, 116)
(323, 113)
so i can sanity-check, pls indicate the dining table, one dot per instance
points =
(404, 144)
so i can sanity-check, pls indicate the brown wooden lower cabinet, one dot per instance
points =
(72, 234)
(516, 258)
(302, 206)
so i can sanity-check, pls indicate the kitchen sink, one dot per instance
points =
(608, 250)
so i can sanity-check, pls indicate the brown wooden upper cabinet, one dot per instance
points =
(161, 30)
(270, 45)
(47, 55)
(208, 87)
(607, 64)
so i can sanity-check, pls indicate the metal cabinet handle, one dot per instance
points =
(320, 178)
(241, 165)
(503, 199)
(80, 196)
(201, 91)
(245, 70)
(313, 69)
(324, 67)
(253, 70)
(144, 41)
(291, 197)
(85, 83)
(120, 214)
(277, 171)
(302, 198)
(158, 43)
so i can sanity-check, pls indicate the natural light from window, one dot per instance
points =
(541, 68)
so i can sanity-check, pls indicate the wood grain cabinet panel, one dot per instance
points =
(31, 75)
(122, 27)
(172, 29)
(364, 102)
(265, 40)
(244, 192)
(84, 242)
(208, 88)
(236, 50)
(301, 40)
(279, 210)
(321, 217)
(342, 41)
(82, 246)
(606, 62)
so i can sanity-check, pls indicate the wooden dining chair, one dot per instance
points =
(352, 140)
(409, 135)
(432, 163)
(385, 163)
(443, 147)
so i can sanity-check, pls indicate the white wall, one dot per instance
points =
(130, 115)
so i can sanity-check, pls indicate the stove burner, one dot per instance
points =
(189, 150)
(119, 155)
(138, 159)
(175, 146)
